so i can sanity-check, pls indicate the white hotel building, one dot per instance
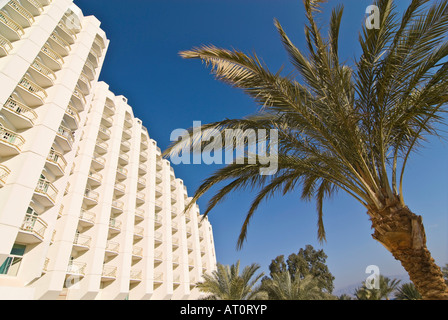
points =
(88, 207)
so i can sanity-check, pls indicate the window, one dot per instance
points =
(11, 265)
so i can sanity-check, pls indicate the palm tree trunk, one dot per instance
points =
(403, 234)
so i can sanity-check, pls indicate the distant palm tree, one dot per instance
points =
(385, 289)
(226, 283)
(340, 127)
(407, 292)
(283, 286)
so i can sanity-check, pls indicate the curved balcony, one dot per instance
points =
(98, 162)
(107, 121)
(123, 159)
(33, 6)
(143, 156)
(141, 183)
(71, 117)
(45, 193)
(50, 58)
(136, 276)
(120, 189)
(95, 179)
(84, 84)
(78, 99)
(174, 227)
(112, 248)
(64, 137)
(114, 225)
(32, 94)
(59, 45)
(19, 14)
(9, 29)
(122, 173)
(138, 232)
(175, 242)
(94, 58)
(43, 75)
(117, 206)
(158, 220)
(159, 177)
(109, 107)
(158, 237)
(158, 206)
(173, 198)
(89, 70)
(137, 253)
(76, 269)
(5, 46)
(56, 163)
(173, 185)
(159, 191)
(20, 115)
(91, 197)
(10, 142)
(141, 198)
(158, 257)
(32, 230)
(125, 145)
(82, 242)
(109, 273)
(127, 134)
(4, 173)
(128, 123)
(144, 145)
(66, 33)
(139, 214)
(104, 133)
(72, 19)
(142, 169)
(101, 147)
(86, 218)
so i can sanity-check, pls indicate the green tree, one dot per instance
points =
(226, 283)
(445, 273)
(341, 127)
(386, 288)
(307, 261)
(285, 286)
(407, 292)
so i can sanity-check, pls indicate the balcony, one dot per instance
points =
(56, 163)
(98, 162)
(19, 14)
(141, 183)
(109, 107)
(112, 248)
(158, 278)
(142, 169)
(78, 99)
(174, 227)
(143, 156)
(109, 273)
(122, 173)
(140, 198)
(119, 188)
(159, 177)
(173, 185)
(173, 198)
(123, 159)
(50, 58)
(137, 253)
(136, 276)
(64, 138)
(43, 75)
(191, 263)
(5, 46)
(159, 165)
(86, 218)
(104, 133)
(76, 269)
(91, 197)
(158, 256)
(175, 242)
(84, 84)
(32, 230)
(66, 33)
(127, 134)
(59, 45)
(9, 28)
(32, 94)
(117, 206)
(158, 205)
(89, 70)
(128, 123)
(138, 232)
(159, 191)
(125, 145)
(94, 179)
(173, 212)
(20, 115)
(72, 118)
(106, 120)
(45, 193)
(4, 173)
(144, 144)
(114, 225)
(82, 242)
(33, 7)
(139, 214)
(176, 261)
(189, 232)
(158, 237)
(101, 147)
(94, 58)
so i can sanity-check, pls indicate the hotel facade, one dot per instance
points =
(89, 209)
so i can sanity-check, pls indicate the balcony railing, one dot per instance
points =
(5, 45)
(58, 159)
(136, 275)
(140, 213)
(120, 186)
(11, 24)
(66, 134)
(115, 224)
(20, 109)
(46, 187)
(137, 251)
(4, 173)
(138, 231)
(122, 170)
(33, 6)
(71, 111)
(44, 70)
(158, 236)
(109, 272)
(158, 255)
(117, 204)
(93, 195)
(87, 216)
(76, 268)
(82, 240)
(34, 225)
(33, 88)
(27, 17)
(113, 247)
(58, 61)
(158, 277)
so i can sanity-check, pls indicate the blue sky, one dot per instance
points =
(168, 92)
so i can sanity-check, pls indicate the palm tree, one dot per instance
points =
(226, 283)
(386, 287)
(407, 292)
(341, 127)
(283, 286)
